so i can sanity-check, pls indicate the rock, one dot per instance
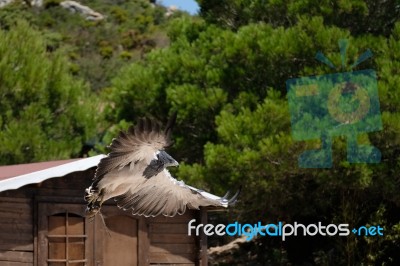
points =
(37, 3)
(226, 253)
(171, 10)
(87, 12)
(3, 3)
(228, 248)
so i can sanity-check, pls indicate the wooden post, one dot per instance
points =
(144, 242)
(204, 255)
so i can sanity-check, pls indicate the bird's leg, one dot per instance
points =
(93, 209)
(91, 195)
(95, 200)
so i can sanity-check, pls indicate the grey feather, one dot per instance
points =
(135, 174)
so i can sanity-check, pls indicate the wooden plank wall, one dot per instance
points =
(164, 240)
(16, 231)
(170, 242)
(16, 214)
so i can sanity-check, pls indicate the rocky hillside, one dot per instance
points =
(99, 36)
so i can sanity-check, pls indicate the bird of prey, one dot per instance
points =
(135, 174)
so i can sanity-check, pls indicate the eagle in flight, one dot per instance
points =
(135, 174)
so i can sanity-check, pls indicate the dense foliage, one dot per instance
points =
(224, 73)
(360, 16)
(45, 112)
(96, 49)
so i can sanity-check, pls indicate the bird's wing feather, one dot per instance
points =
(137, 144)
(162, 194)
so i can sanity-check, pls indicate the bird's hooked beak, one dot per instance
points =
(174, 163)
(167, 159)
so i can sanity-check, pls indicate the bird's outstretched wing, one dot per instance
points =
(139, 143)
(163, 194)
(135, 174)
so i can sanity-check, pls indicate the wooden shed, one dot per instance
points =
(42, 222)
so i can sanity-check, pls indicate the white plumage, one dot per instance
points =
(135, 174)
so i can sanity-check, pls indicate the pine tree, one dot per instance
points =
(45, 113)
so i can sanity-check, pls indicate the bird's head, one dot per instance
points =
(166, 159)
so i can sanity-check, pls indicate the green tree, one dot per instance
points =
(206, 67)
(234, 129)
(359, 16)
(45, 113)
(98, 49)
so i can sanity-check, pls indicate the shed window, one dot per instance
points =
(65, 237)
(66, 240)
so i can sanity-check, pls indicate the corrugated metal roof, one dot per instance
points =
(16, 176)
(8, 171)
